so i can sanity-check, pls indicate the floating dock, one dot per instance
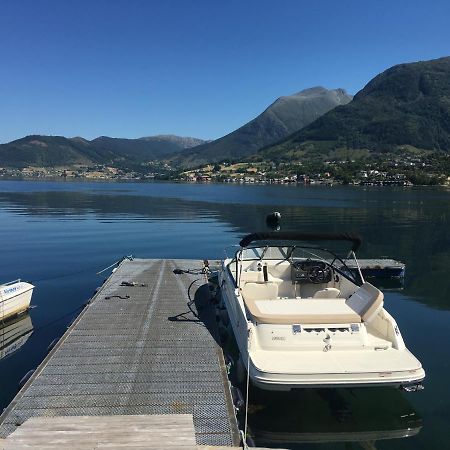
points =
(137, 349)
(379, 268)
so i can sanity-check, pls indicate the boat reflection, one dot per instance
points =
(14, 333)
(388, 284)
(314, 416)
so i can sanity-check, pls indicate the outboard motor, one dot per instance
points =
(273, 221)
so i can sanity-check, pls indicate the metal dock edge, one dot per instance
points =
(137, 350)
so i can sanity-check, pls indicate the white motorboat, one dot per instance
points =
(301, 318)
(15, 298)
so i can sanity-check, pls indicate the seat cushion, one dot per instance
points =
(257, 291)
(302, 311)
(366, 301)
(251, 276)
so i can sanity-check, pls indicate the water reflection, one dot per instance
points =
(388, 284)
(412, 226)
(60, 234)
(317, 416)
(14, 333)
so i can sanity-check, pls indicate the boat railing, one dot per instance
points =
(9, 283)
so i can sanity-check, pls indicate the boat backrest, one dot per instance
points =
(257, 276)
(253, 276)
(366, 301)
(259, 291)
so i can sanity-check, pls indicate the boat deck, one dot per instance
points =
(137, 350)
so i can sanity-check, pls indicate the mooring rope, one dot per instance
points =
(78, 272)
(247, 391)
(57, 319)
(129, 257)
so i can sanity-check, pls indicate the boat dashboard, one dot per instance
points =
(311, 271)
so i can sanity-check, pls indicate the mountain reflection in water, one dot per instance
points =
(393, 223)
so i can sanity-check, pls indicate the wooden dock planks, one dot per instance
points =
(170, 432)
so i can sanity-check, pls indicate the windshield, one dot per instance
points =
(297, 252)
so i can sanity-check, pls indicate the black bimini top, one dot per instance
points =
(294, 236)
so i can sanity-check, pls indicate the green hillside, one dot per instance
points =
(49, 151)
(407, 105)
(54, 151)
(286, 115)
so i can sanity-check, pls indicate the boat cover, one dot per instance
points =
(296, 236)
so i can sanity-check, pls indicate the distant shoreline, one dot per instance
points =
(203, 183)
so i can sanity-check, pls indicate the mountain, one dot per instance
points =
(51, 151)
(144, 149)
(407, 105)
(280, 119)
(180, 141)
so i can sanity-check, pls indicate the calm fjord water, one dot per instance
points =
(58, 234)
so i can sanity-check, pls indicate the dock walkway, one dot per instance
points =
(137, 350)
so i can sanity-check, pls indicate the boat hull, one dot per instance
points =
(284, 370)
(15, 299)
(286, 382)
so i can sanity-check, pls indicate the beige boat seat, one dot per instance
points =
(329, 292)
(255, 276)
(254, 291)
(262, 303)
(301, 311)
(252, 276)
(367, 301)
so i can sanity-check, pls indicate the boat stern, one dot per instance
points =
(15, 298)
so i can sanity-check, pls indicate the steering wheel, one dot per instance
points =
(298, 265)
(318, 274)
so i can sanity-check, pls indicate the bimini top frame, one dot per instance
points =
(294, 236)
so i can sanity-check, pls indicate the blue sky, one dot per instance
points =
(193, 68)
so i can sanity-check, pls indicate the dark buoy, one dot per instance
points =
(273, 221)
(238, 398)
(250, 442)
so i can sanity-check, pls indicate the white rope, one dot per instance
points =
(357, 266)
(247, 389)
(129, 257)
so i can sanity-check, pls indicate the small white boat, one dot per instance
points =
(302, 319)
(15, 298)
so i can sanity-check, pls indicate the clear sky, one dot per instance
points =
(131, 68)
